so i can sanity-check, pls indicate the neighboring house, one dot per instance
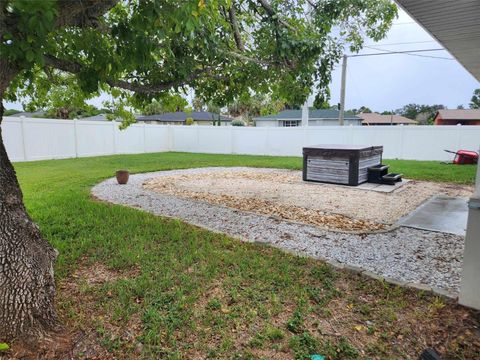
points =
(457, 116)
(378, 119)
(99, 117)
(291, 118)
(35, 114)
(180, 118)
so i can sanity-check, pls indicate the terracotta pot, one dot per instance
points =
(122, 176)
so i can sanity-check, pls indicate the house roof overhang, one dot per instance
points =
(455, 24)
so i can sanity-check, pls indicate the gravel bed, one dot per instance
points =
(287, 189)
(404, 254)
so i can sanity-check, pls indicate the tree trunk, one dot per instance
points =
(27, 286)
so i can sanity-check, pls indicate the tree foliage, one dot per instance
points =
(475, 101)
(166, 103)
(424, 114)
(322, 100)
(9, 112)
(360, 110)
(152, 47)
(249, 107)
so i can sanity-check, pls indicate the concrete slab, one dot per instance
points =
(381, 187)
(440, 213)
(367, 186)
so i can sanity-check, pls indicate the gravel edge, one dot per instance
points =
(424, 260)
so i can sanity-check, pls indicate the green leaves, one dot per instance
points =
(4, 347)
(35, 20)
(167, 42)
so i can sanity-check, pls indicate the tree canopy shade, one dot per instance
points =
(139, 50)
(220, 48)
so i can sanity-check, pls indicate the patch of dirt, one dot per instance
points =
(283, 193)
(78, 337)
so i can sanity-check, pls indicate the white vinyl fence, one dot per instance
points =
(28, 139)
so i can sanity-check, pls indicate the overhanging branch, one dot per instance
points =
(272, 14)
(236, 31)
(76, 68)
(82, 13)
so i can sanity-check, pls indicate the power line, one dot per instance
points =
(406, 52)
(413, 54)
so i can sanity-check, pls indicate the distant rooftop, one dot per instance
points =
(313, 114)
(459, 114)
(29, 114)
(181, 116)
(99, 117)
(376, 119)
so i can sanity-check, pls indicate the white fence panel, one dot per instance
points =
(390, 137)
(48, 139)
(249, 141)
(12, 134)
(157, 138)
(281, 141)
(468, 139)
(214, 139)
(427, 142)
(131, 140)
(326, 135)
(185, 138)
(94, 138)
(37, 139)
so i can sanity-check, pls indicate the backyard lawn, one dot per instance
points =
(134, 285)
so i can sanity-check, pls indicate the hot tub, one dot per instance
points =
(340, 164)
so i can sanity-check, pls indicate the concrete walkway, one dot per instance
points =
(440, 213)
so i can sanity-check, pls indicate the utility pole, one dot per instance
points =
(305, 115)
(305, 110)
(341, 116)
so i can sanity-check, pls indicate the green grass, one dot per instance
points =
(434, 171)
(185, 292)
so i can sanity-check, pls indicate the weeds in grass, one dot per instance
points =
(191, 293)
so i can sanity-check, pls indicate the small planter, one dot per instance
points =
(122, 176)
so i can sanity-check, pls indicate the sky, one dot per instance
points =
(388, 82)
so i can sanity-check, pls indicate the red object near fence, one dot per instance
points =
(463, 157)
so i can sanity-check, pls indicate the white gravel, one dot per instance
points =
(403, 254)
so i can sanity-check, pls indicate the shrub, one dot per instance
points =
(189, 121)
(238, 123)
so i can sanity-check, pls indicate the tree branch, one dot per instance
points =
(82, 12)
(272, 14)
(236, 31)
(312, 4)
(75, 68)
(248, 58)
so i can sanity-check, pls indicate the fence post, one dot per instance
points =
(24, 143)
(170, 138)
(402, 136)
(144, 137)
(350, 134)
(197, 145)
(232, 151)
(459, 136)
(114, 137)
(75, 133)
